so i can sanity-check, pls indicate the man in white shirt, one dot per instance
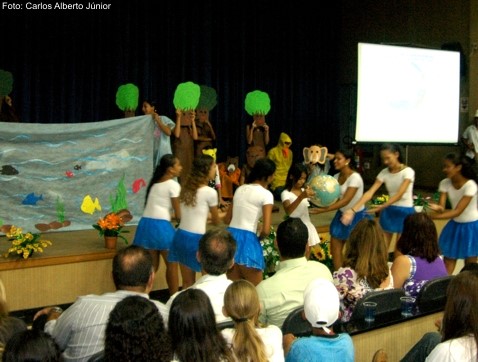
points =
(470, 139)
(284, 291)
(80, 329)
(216, 256)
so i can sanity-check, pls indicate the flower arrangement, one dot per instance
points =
(25, 244)
(321, 252)
(419, 200)
(379, 200)
(111, 225)
(271, 254)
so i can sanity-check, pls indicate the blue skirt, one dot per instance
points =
(248, 249)
(392, 218)
(156, 234)
(184, 248)
(341, 231)
(459, 240)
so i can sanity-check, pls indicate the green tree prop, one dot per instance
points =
(127, 97)
(186, 96)
(257, 102)
(208, 98)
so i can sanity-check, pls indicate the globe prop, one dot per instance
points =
(326, 190)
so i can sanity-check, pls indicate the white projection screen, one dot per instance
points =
(407, 95)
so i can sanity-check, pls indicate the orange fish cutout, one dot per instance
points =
(138, 184)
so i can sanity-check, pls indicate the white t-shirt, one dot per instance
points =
(463, 349)
(247, 206)
(393, 181)
(355, 181)
(271, 337)
(302, 212)
(471, 135)
(159, 205)
(468, 189)
(194, 219)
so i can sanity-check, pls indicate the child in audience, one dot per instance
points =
(197, 200)
(31, 345)
(193, 330)
(155, 231)
(321, 309)
(458, 239)
(365, 266)
(250, 341)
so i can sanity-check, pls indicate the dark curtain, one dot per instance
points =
(68, 64)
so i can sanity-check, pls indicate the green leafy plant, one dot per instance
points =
(419, 200)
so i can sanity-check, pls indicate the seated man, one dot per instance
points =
(80, 330)
(321, 309)
(284, 291)
(216, 256)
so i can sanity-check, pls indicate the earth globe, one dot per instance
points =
(326, 189)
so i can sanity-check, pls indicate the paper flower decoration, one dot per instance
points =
(6, 83)
(208, 98)
(186, 96)
(257, 102)
(127, 97)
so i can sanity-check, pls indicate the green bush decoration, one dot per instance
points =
(257, 102)
(127, 97)
(186, 96)
(208, 98)
(6, 83)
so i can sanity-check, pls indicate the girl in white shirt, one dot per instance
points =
(155, 231)
(398, 179)
(351, 191)
(459, 237)
(197, 200)
(250, 341)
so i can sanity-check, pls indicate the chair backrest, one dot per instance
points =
(432, 295)
(388, 301)
(295, 324)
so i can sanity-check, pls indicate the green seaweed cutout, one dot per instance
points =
(257, 102)
(208, 98)
(186, 96)
(127, 97)
(119, 202)
(1, 222)
(60, 209)
(6, 83)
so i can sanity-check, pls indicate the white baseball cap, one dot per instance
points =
(321, 303)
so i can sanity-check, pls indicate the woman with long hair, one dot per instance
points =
(419, 259)
(295, 199)
(249, 339)
(155, 231)
(197, 201)
(251, 201)
(398, 179)
(459, 329)
(458, 239)
(365, 266)
(351, 190)
(192, 327)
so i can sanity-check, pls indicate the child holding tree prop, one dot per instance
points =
(257, 105)
(127, 97)
(186, 100)
(206, 134)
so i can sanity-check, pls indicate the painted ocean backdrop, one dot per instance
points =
(66, 176)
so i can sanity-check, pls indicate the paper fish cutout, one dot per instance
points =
(88, 206)
(31, 199)
(8, 170)
(69, 174)
(138, 184)
(77, 167)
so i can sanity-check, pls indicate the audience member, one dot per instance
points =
(284, 291)
(420, 258)
(9, 325)
(321, 309)
(31, 345)
(249, 339)
(216, 256)
(193, 330)
(136, 332)
(80, 329)
(365, 266)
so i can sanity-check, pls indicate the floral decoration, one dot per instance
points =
(271, 254)
(321, 252)
(419, 200)
(111, 225)
(379, 200)
(25, 244)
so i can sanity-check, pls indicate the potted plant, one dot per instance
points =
(25, 244)
(420, 202)
(111, 227)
